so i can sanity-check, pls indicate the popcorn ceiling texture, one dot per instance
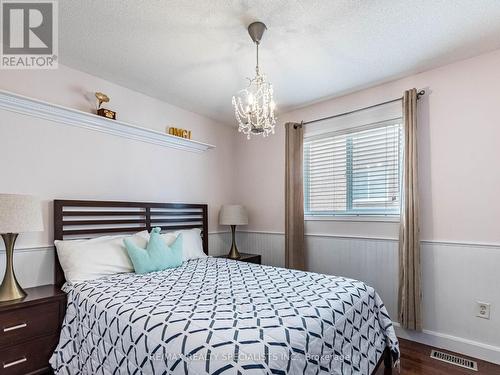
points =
(196, 54)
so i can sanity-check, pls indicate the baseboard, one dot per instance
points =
(460, 345)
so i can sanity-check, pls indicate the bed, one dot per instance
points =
(211, 315)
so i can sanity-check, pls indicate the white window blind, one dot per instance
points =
(355, 171)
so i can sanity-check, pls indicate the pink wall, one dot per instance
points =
(458, 145)
(75, 89)
(459, 133)
(52, 160)
(459, 139)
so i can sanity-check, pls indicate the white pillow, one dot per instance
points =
(192, 246)
(90, 259)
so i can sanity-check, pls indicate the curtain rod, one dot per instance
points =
(419, 94)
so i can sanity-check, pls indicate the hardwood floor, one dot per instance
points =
(415, 360)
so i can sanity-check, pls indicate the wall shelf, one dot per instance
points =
(69, 116)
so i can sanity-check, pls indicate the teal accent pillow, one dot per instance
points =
(157, 256)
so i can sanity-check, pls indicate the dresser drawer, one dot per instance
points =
(32, 356)
(24, 323)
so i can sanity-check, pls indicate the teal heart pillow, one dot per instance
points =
(157, 255)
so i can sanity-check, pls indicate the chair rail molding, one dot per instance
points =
(68, 116)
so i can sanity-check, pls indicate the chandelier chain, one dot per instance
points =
(257, 63)
(254, 106)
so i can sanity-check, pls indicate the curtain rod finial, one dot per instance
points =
(420, 93)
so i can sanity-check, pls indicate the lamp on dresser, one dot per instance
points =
(18, 214)
(233, 215)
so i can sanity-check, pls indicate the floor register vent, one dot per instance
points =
(454, 360)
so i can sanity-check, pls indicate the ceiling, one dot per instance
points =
(196, 54)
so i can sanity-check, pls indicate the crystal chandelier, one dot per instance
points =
(254, 106)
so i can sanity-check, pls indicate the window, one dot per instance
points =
(354, 172)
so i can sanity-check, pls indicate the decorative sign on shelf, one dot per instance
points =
(103, 98)
(183, 133)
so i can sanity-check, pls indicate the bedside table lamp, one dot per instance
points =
(233, 215)
(18, 214)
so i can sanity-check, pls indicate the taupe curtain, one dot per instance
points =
(410, 292)
(294, 197)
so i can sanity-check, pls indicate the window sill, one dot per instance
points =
(386, 219)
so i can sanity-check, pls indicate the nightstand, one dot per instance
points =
(245, 257)
(29, 330)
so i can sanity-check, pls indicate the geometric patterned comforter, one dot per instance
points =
(219, 316)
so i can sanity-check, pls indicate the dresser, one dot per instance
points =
(29, 330)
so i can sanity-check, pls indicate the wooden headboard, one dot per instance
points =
(85, 219)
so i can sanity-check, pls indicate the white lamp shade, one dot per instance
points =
(20, 214)
(232, 214)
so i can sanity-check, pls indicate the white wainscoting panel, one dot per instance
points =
(219, 243)
(270, 246)
(372, 261)
(455, 276)
(33, 267)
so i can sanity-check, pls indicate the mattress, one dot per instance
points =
(219, 316)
